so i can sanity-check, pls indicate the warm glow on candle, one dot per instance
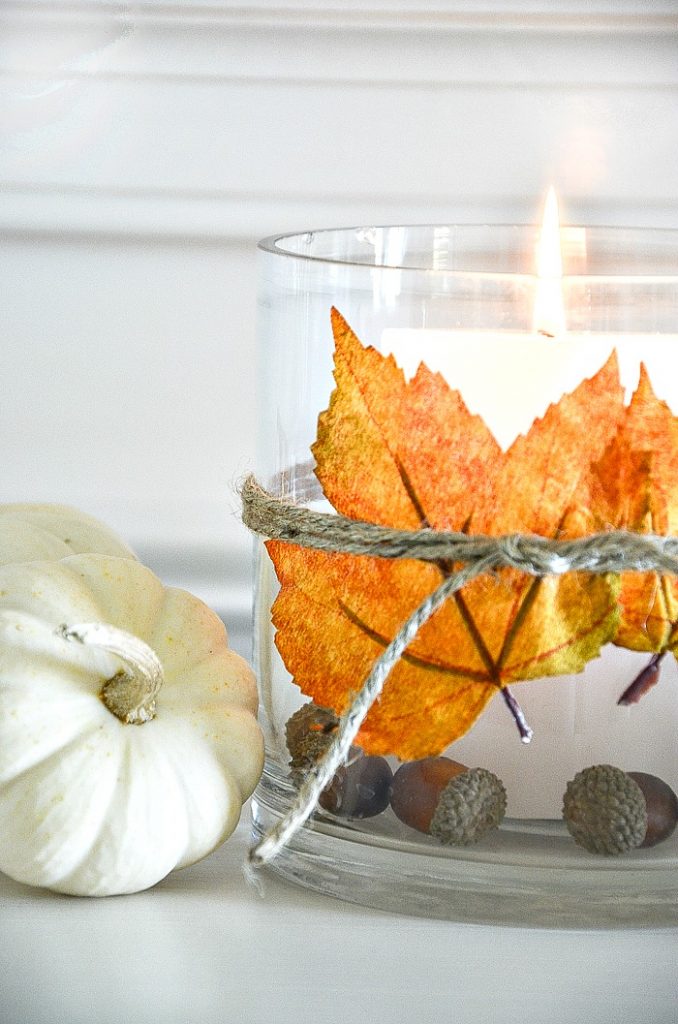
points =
(549, 315)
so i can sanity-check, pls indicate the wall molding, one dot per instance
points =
(240, 219)
(228, 77)
(446, 15)
(535, 44)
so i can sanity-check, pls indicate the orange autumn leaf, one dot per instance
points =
(411, 455)
(395, 453)
(634, 486)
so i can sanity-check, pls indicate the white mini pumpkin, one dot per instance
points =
(32, 531)
(91, 804)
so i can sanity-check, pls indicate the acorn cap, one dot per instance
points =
(309, 732)
(605, 810)
(471, 804)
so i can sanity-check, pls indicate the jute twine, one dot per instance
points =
(278, 518)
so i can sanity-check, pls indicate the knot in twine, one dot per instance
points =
(278, 518)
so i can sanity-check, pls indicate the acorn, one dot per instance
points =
(610, 811)
(309, 732)
(445, 799)
(359, 789)
(662, 807)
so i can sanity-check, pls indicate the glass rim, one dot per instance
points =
(273, 245)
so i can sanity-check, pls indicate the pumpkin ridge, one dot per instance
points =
(55, 755)
(195, 849)
(200, 617)
(233, 719)
(103, 807)
(126, 771)
(49, 766)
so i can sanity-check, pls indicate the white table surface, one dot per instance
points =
(204, 947)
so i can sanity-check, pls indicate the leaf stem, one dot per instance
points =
(644, 681)
(514, 707)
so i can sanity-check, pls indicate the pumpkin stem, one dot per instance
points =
(130, 694)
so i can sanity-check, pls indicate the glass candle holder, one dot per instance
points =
(469, 304)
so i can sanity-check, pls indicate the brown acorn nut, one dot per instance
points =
(662, 807)
(359, 789)
(610, 811)
(454, 804)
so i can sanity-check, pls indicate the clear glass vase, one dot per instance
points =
(467, 302)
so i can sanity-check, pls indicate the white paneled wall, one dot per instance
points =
(146, 146)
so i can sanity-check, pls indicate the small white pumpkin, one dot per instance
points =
(128, 732)
(32, 531)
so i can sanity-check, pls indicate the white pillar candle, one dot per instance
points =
(510, 379)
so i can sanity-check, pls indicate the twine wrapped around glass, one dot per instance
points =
(543, 409)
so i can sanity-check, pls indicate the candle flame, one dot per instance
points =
(549, 313)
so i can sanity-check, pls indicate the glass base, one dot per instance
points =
(528, 873)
